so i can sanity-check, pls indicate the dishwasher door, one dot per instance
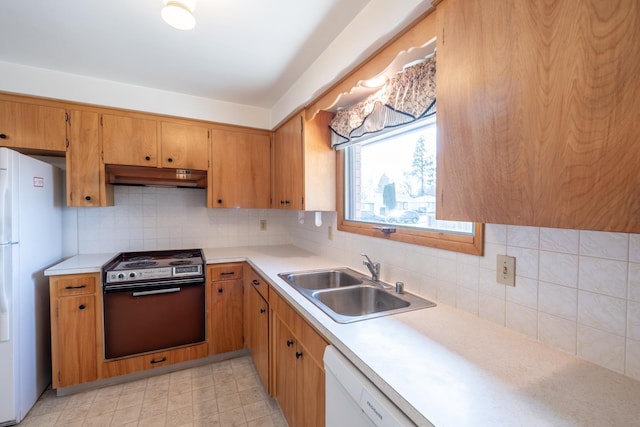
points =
(352, 400)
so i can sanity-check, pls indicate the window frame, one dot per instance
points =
(472, 245)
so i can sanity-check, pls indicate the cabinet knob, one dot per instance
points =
(147, 158)
(219, 201)
(87, 198)
(3, 136)
(255, 282)
(170, 160)
(82, 306)
(298, 354)
(287, 202)
(282, 202)
(289, 343)
(220, 290)
(262, 311)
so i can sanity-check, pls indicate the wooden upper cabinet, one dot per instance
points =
(85, 186)
(129, 141)
(538, 113)
(304, 164)
(240, 175)
(31, 126)
(184, 146)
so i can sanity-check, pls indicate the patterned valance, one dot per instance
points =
(408, 96)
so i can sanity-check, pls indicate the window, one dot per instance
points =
(387, 190)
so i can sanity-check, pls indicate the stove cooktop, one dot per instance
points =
(153, 265)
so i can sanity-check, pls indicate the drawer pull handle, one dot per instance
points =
(255, 282)
(298, 354)
(228, 273)
(87, 198)
(82, 306)
(154, 361)
(75, 287)
(3, 136)
(170, 160)
(147, 158)
(262, 311)
(289, 343)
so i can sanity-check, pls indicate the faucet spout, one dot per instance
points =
(374, 267)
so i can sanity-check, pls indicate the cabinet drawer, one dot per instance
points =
(225, 272)
(153, 360)
(75, 285)
(260, 285)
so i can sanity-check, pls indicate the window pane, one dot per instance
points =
(391, 179)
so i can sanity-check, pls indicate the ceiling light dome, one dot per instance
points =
(178, 13)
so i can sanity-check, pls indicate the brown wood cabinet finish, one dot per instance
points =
(74, 327)
(32, 127)
(256, 321)
(304, 165)
(240, 175)
(129, 140)
(85, 183)
(298, 370)
(225, 308)
(184, 146)
(538, 113)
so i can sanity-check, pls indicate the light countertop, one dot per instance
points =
(442, 365)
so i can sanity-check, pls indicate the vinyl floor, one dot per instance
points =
(225, 393)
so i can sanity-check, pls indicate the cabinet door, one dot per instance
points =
(129, 141)
(288, 166)
(240, 170)
(538, 113)
(76, 327)
(226, 316)
(184, 146)
(257, 333)
(285, 349)
(310, 391)
(32, 126)
(83, 159)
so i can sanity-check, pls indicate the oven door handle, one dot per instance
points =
(154, 292)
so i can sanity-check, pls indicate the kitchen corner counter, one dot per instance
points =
(441, 365)
(80, 264)
(450, 368)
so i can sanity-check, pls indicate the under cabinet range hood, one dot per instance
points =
(165, 177)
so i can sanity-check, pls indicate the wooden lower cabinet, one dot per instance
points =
(256, 321)
(298, 370)
(74, 340)
(225, 306)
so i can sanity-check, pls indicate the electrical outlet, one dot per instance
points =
(263, 225)
(506, 270)
(330, 232)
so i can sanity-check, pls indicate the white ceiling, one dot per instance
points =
(242, 51)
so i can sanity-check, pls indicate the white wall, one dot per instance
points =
(578, 291)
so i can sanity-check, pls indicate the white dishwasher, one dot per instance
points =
(353, 400)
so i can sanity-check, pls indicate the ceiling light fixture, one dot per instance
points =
(179, 13)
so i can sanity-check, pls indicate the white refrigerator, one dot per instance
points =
(30, 242)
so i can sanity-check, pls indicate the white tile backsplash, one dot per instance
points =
(598, 320)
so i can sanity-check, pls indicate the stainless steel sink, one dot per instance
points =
(348, 296)
(324, 279)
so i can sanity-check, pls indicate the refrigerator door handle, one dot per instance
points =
(5, 199)
(5, 277)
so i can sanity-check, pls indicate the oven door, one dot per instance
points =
(141, 318)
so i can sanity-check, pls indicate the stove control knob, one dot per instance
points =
(132, 275)
(121, 276)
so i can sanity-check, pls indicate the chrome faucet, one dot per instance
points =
(374, 267)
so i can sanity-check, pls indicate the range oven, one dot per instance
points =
(153, 301)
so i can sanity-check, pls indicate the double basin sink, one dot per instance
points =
(348, 296)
